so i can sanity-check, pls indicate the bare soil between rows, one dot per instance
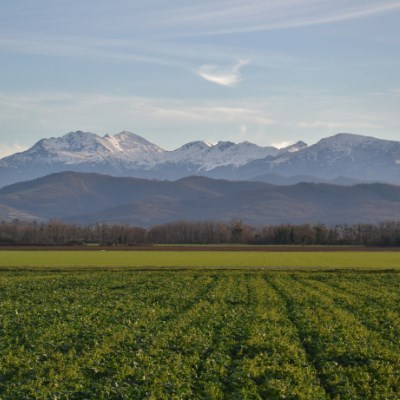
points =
(239, 248)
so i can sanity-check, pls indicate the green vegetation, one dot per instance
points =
(229, 259)
(191, 334)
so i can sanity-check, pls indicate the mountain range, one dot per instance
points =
(341, 159)
(87, 198)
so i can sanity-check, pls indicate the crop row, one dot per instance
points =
(199, 334)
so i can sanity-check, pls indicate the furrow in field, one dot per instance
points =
(353, 362)
(227, 326)
(150, 365)
(380, 318)
(372, 287)
(129, 314)
(271, 357)
(198, 334)
(278, 285)
(191, 349)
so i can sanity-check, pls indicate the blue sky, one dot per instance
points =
(268, 71)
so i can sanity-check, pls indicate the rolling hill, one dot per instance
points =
(90, 198)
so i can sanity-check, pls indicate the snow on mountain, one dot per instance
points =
(85, 147)
(128, 145)
(344, 154)
(296, 147)
(208, 156)
(228, 153)
(129, 150)
(342, 144)
(192, 152)
(350, 147)
(126, 154)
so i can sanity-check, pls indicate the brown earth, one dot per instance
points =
(266, 248)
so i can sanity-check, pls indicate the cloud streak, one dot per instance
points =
(174, 22)
(222, 76)
(65, 46)
(6, 150)
(53, 114)
(166, 120)
(217, 18)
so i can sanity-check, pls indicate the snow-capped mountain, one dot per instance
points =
(126, 154)
(129, 149)
(85, 147)
(296, 147)
(353, 158)
(347, 155)
(208, 156)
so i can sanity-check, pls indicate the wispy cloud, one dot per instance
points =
(6, 150)
(173, 21)
(52, 114)
(160, 53)
(221, 75)
(282, 144)
(215, 17)
(338, 125)
(170, 122)
(71, 46)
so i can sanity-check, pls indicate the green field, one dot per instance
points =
(214, 259)
(199, 334)
(208, 325)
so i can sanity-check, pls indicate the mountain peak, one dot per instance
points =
(130, 142)
(73, 141)
(76, 135)
(78, 148)
(224, 145)
(348, 138)
(126, 135)
(197, 144)
(128, 154)
(293, 148)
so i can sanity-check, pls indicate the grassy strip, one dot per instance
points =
(223, 259)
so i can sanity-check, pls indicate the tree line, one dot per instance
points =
(56, 232)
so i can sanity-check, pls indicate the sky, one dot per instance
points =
(267, 71)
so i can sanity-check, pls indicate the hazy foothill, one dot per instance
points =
(88, 198)
(342, 179)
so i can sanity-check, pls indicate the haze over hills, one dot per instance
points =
(341, 159)
(90, 198)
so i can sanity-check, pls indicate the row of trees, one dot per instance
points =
(383, 234)
(56, 232)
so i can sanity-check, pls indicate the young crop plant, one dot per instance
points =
(198, 334)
